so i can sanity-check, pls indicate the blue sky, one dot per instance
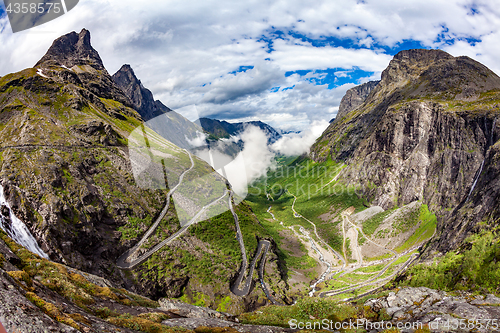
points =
(285, 63)
(2, 9)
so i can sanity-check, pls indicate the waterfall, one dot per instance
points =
(492, 131)
(16, 229)
(476, 177)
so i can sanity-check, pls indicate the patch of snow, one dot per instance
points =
(39, 72)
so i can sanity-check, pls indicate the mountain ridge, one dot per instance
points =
(224, 129)
(424, 133)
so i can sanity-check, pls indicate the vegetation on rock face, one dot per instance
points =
(52, 310)
(143, 324)
(314, 311)
(36, 273)
(475, 266)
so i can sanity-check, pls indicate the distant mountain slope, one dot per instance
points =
(428, 131)
(224, 129)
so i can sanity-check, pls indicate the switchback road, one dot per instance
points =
(125, 262)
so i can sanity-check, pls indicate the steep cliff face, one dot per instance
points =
(426, 132)
(354, 97)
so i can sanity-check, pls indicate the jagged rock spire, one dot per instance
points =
(141, 97)
(70, 50)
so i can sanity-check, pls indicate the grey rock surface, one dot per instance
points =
(17, 314)
(439, 311)
(354, 97)
(192, 323)
(192, 311)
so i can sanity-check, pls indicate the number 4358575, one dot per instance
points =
(32, 8)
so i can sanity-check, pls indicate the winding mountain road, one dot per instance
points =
(328, 265)
(124, 261)
(296, 214)
(262, 246)
(372, 280)
(262, 265)
(375, 279)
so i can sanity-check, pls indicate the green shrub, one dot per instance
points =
(477, 268)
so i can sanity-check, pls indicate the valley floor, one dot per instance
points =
(334, 245)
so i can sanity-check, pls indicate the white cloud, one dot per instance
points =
(251, 163)
(183, 51)
(198, 141)
(292, 56)
(234, 86)
(298, 144)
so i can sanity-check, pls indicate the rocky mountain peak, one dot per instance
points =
(72, 49)
(141, 97)
(126, 76)
(423, 73)
(408, 64)
(422, 56)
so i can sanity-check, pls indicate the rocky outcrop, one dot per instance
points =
(354, 97)
(192, 311)
(17, 314)
(32, 303)
(141, 97)
(164, 121)
(73, 49)
(426, 132)
(197, 316)
(439, 311)
(217, 324)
